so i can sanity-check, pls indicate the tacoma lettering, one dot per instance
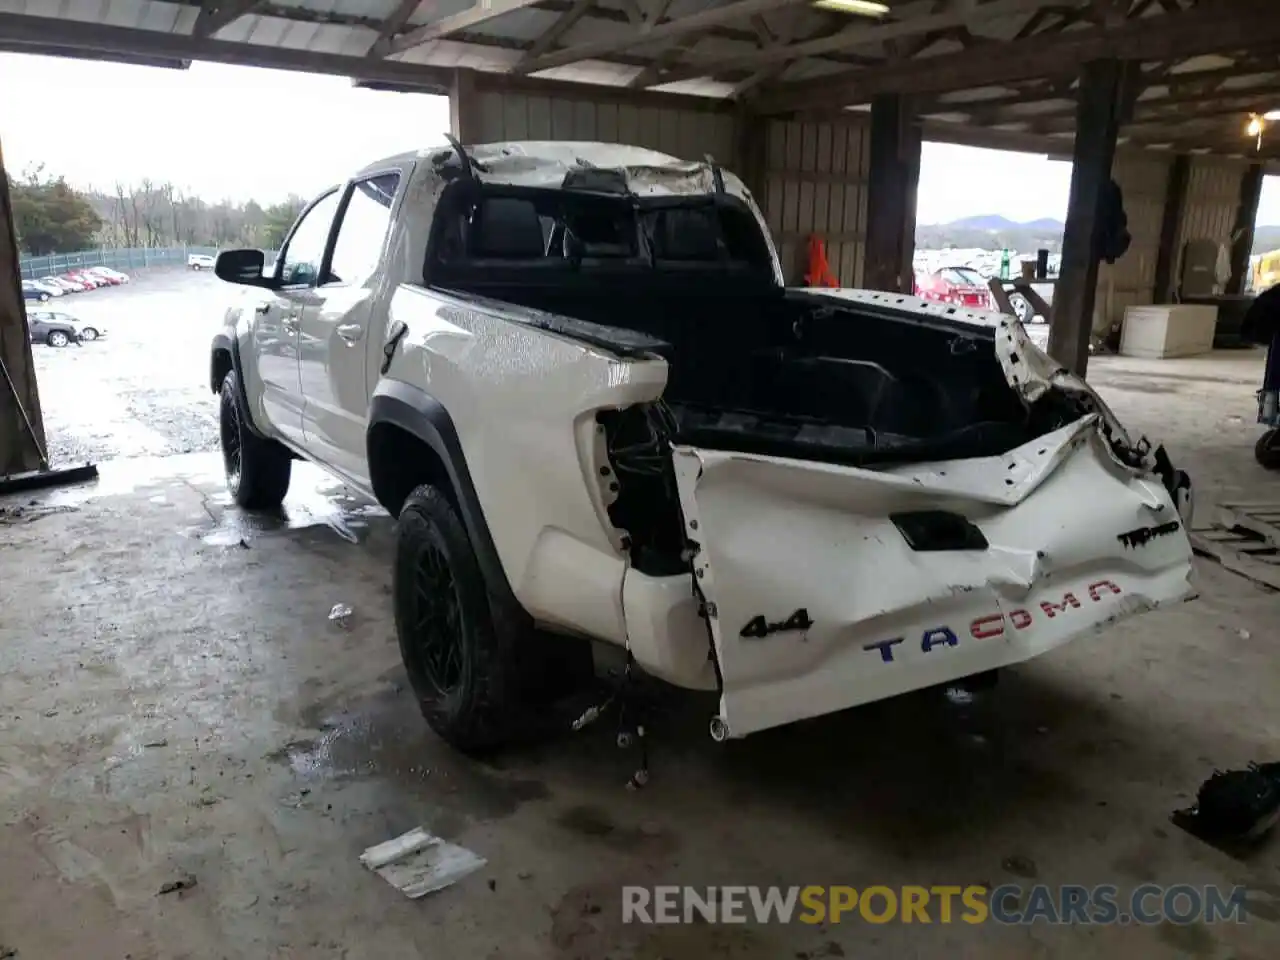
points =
(994, 625)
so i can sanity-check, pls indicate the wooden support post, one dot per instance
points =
(464, 108)
(751, 154)
(891, 191)
(1242, 234)
(1099, 107)
(1175, 201)
(21, 426)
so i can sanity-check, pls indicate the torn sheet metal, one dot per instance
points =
(418, 863)
(817, 601)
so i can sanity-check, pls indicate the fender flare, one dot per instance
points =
(223, 342)
(420, 414)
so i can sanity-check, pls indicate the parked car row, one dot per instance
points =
(73, 281)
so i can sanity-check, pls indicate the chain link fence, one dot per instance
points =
(116, 258)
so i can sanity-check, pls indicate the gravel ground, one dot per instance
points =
(142, 390)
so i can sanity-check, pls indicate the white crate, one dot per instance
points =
(1168, 330)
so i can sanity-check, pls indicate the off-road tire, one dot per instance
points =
(257, 470)
(445, 622)
(1267, 450)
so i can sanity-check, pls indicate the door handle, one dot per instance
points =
(351, 332)
(262, 308)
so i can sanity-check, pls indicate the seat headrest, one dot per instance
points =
(688, 235)
(507, 228)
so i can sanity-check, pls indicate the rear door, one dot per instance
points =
(826, 586)
(38, 325)
(335, 327)
(277, 315)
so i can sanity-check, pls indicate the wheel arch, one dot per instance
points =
(412, 440)
(224, 357)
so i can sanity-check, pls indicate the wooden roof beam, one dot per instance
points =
(670, 30)
(483, 11)
(216, 14)
(863, 34)
(1223, 25)
(394, 23)
(550, 37)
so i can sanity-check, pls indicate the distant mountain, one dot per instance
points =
(992, 231)
(1266, 239)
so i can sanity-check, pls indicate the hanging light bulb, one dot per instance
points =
(1255, 128)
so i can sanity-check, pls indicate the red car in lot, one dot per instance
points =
(962, 286)
(89, 280)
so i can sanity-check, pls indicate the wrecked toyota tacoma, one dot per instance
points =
(573, 372)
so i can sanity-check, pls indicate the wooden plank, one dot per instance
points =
(1267, 575)
(1235, 518)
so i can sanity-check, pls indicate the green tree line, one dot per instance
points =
(53, 217)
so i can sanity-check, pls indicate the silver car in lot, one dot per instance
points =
(57, 328)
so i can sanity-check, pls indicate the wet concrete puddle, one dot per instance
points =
(315, 499)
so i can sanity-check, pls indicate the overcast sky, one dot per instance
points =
(239, 132)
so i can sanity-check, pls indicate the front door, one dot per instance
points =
(336, 333)
(277, 316)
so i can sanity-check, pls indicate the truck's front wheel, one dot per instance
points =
(458, 663)
(258, 470)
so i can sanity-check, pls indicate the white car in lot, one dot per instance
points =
(201, 261)
(574, 374)
(53, 289)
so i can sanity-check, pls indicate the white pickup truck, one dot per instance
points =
(573, 373)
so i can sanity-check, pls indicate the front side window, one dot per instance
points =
(363, 230)
(306, 246)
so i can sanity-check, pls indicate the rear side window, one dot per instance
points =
(362, 230)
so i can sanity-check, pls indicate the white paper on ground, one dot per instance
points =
(418, 863)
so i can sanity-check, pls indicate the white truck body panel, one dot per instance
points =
(771, 536)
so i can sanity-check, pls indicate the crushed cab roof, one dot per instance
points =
(544, 163)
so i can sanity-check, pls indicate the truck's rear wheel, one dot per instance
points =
(1267, 450)
(460, 664)
(258, 471)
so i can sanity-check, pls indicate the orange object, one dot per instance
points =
(819, 273)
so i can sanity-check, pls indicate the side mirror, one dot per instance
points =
(245, 267)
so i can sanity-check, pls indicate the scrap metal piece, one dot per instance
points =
(417, 863)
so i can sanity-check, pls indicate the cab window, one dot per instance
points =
(300, 264)
(362, 231)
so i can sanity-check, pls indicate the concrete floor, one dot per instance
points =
(175, 702)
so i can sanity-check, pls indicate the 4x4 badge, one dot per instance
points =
(758, 627)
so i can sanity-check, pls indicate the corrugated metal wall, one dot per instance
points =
(1143, 179)
(1213, 195)
(816, 182)
(815, 179)
(689, 133)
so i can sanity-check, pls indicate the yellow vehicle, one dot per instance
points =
(1266, 272)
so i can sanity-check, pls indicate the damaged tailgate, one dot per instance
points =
(828, 586)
